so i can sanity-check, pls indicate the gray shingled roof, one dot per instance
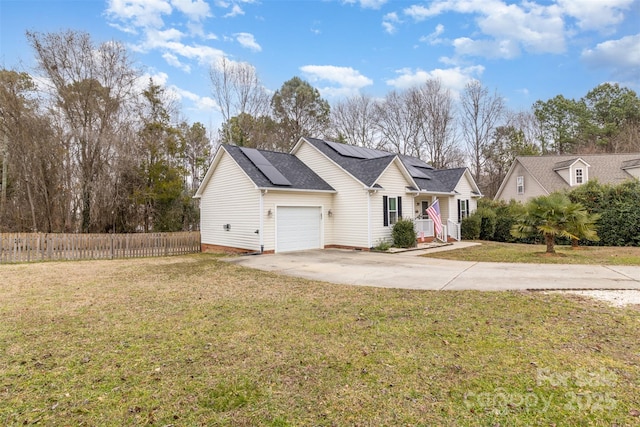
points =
(448, 178)
(299, 175)
(606, 168)
(365, 170)
(369, 170)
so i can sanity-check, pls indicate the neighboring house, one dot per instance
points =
(323, 195)
(533, 176)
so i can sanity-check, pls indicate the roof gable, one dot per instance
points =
(269, 170)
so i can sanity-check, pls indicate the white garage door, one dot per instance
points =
(298, 228)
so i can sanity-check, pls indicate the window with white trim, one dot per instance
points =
(393, 210)
(463, 209)
(579, 176)
(520, 185)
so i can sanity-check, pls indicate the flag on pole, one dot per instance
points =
(434, 213)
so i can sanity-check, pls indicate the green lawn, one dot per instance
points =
(190, 340)
(512, 252)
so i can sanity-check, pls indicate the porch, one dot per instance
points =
(425, 230)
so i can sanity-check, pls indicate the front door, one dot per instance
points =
(423, 212)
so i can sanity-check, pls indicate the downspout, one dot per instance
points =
(260, 230)
(369, 244)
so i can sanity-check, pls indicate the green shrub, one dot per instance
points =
(487, 223)
(618, 209)
(404, 234)
(382, 246)
(470, 227)
(503, 229)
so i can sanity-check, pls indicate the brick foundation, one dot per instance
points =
(207, 247)
(353, 248)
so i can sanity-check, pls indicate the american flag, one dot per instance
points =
(434, 213)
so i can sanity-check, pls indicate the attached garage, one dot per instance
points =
(298, 228)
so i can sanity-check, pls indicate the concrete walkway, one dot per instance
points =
(407, 270)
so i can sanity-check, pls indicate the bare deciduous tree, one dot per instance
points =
(398, 124)
(434, 109)
(355, 120)
(238, 92)
(481, 114)
(89, 86)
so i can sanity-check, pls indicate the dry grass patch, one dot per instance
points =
(514, 252)
(194, 341)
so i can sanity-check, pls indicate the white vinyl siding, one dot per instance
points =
(464, 191)
(230, 197)
(394, 185)
(349, 211)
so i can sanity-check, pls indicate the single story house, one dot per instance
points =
(324, 194)
(533, 176)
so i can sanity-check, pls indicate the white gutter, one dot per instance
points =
(265, 189)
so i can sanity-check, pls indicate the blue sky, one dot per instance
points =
(526, 50)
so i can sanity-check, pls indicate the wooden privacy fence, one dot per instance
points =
(25, 247)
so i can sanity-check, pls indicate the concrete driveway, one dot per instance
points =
(407, 270)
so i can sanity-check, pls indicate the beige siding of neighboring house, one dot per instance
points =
(273, 199)
(531, 186)
(230, 197)
(349, 203)
(394, 184)
(565, 174)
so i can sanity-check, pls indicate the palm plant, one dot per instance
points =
(555, 216)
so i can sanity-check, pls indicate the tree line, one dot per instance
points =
(85, 147)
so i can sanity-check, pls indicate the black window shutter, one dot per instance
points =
(459, 211)
(385, 210)
(399, 207)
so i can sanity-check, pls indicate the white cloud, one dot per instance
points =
(344, 76)
(454, 78)
(367, 4)
(195, 10)
(420, 13)
(596, 15)
(156, 38)
(622, 56)
(139, 13)
(160, 78)
(175, 62)
(236, 10)
(372, 4)
(487, 48)
(434, 38)
(247, 40)
(537, 28)
(389, 22)
(508, 27)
